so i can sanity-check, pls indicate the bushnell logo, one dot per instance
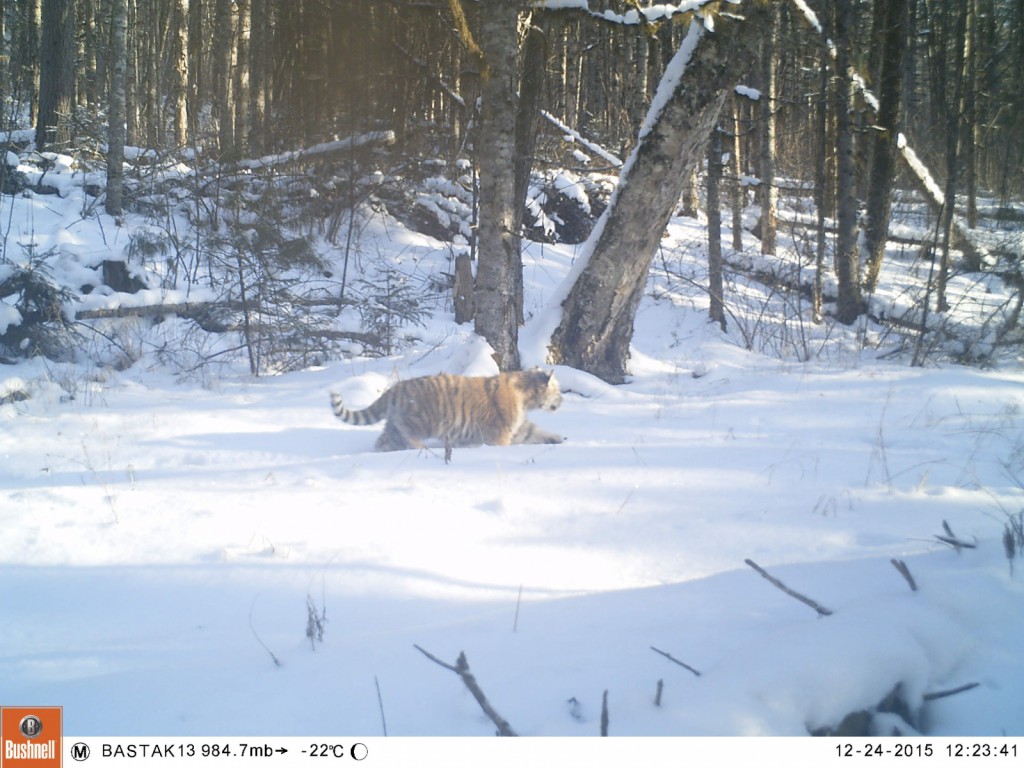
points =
(30, 737)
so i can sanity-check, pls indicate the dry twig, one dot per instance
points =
(604, 714)
(822, 611)
(461, 668)
(950, 692)
(901, 566)
(670, 657)
(951, 539)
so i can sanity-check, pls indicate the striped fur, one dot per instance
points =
(460, 410)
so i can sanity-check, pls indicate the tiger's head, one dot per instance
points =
(542, 389)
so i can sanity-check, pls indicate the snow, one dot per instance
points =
(671, 78)
(746, 91)
(149, 524)
(9, 316)
(809, 15)
(919, 168)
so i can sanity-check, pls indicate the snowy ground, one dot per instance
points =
(164, 536)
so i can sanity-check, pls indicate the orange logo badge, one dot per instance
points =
(30, 737)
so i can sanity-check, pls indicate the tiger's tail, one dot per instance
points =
(370, 415)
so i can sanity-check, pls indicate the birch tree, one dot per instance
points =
(497, 316)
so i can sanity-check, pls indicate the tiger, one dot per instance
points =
(460, 410)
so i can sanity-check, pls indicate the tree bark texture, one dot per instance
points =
(768, 105)
(893, 20)
(497, 315)
(116, 129)
(848, 302)
(56, 73)
(597, 316)
(531, 91)
(716, 290)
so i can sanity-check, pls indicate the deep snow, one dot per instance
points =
(163, 534)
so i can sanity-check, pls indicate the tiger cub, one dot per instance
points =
(460, 410)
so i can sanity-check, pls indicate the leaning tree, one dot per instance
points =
(720, 48)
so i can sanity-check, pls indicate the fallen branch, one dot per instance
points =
(822, 611)
(900, 566)
(461, 668)
(578, 138)
(183, 309)
(950, 692)
(323, 151)
(670, 657)
(952, 539)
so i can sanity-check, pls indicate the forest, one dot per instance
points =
(844, 103)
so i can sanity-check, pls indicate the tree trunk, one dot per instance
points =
(769, 191)
(240, 89)
(820, 193)
(892, 18)
(737, 193)
(848, 302)
(497, 315)
(56, 74)
(196, 66)
(179, 72)
(115, 129)
(716, 311)
(953, 126)
(531, 90)
(259, 90)
(223, 43)
(597, 316)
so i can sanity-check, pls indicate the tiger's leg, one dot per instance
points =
(531, 433)
(398, 436)
(391, 439)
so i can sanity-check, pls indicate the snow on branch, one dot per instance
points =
(321, 151)
(579, 139)
(634, 17)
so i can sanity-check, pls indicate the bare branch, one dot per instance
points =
(326, 151)
(901, 566)
(822, 611)
(953, 540)
(950, 692)
(670, 657)
(461, 668)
